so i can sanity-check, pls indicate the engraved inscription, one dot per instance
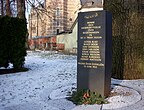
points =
(91, 16)
(90, 52)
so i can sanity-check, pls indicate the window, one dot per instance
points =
(34, 29)
(58, 23)
(57, 12)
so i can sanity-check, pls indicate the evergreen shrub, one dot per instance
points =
(12, 41)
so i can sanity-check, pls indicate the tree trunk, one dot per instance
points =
(128, 42)
(8, 10)
(21, 9)
(2, 11)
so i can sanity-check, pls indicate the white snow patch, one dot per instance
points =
(122, 96)
(50, 73)
(62, 92)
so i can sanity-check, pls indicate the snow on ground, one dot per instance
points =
(32, 89)
(47, 83)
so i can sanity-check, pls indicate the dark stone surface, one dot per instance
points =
(94, 61)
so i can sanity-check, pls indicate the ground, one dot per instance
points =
(51, 77)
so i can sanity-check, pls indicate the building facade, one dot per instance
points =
(55, 16)
(51, 18)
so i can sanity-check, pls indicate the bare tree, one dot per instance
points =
(8, 10)
(2, 11)
(21, 8)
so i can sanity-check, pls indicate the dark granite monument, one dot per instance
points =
(94, 61)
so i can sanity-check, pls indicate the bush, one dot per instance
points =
(12, 41)
(86, 97)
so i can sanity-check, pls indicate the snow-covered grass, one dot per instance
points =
(49, 79)
(32, 89)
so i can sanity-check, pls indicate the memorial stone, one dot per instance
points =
(94, 61)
